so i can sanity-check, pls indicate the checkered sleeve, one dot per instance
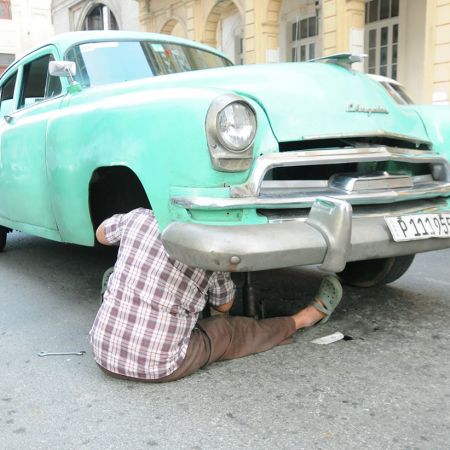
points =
(221, 288)
(114, 226)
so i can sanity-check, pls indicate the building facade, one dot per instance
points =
(408, 40)
(78, 15)
(23, 24)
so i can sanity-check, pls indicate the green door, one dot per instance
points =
(25, 198)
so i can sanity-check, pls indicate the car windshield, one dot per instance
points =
(398, 93)
(101, 63)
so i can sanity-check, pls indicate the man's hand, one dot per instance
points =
(100, 235)
(224, 308)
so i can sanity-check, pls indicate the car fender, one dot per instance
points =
(158, 134)
(436, 119)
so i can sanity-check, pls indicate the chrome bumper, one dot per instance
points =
(330, 236)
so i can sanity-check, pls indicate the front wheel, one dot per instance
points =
(3, 232)
(375, 272)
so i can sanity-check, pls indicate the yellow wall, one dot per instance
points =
(340, 20)
(440, 55)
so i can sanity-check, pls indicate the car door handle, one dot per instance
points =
(9, 119)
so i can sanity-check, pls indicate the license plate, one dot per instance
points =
(419, 226)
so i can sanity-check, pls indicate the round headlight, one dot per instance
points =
(236, 126)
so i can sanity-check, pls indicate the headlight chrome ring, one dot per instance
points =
(231, 127)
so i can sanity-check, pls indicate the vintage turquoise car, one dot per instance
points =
(246, 167)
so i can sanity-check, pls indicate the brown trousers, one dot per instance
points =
(223, 337)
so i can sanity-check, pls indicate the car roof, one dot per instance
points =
(64, 41)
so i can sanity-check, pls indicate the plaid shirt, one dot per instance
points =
(151, 303)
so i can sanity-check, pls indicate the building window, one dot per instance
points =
(382, 37)
(304, 39)
(100, 18)
(5, 9)
(5, 60)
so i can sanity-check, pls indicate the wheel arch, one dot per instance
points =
(113, 190)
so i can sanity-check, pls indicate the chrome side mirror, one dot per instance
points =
(62, 69)
(65, 69)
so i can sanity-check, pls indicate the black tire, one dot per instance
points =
(3, 232)
(375, 272)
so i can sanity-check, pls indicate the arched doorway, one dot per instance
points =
(224, 30)
(174, 27)
(100, 17)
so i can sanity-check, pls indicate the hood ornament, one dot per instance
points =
(355, 108)
(341, 59)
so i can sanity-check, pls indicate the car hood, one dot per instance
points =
(311, 100)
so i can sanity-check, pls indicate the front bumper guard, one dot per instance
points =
(330, 237)
(333, 219)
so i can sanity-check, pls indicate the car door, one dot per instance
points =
(25, 110)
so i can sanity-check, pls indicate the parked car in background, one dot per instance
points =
(395, 89)
(246, 168)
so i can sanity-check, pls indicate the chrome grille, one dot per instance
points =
(427, 176)
(374, 168)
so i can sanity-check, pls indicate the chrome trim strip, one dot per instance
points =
(385, 180)
(376, 133)
(274, 216)
(277, 185)
(252, 187)
(307, 199)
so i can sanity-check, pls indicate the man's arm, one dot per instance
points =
(110, 230)
(221, 291)
(223, 308)
(100, 235)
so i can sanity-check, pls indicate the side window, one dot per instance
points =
(7, 96)
(37, 84)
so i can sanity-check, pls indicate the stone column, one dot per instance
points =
(262, 31)
(193, 23)
(144, 16)
(329, 27)
(249, 33)
(343, 26)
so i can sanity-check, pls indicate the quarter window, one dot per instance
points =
(304, 39)
(382, 37)
(7, 96)
(37, 84)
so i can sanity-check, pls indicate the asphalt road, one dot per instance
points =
(387, 388)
